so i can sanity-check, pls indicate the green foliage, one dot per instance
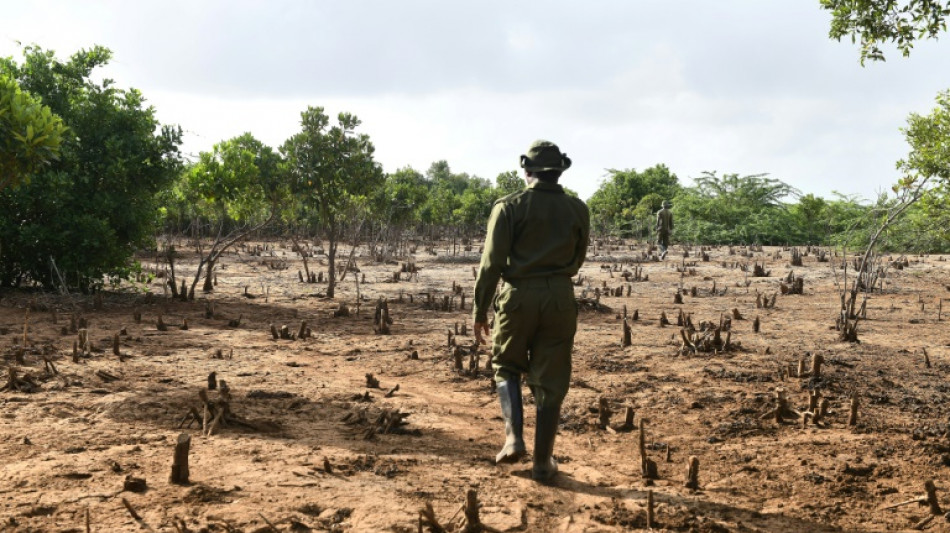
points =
(614, 204)
(333, 173)
(475, 204)
(878, 21)
(238, 180)
(928, 137)
(453, 199)
(928, 163)
(929, 221)
(509, 182)
(30, 134)
(733, 209)
(647, 207)
(331, 166)
(87, 212)
(404, 194)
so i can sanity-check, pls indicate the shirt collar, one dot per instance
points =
(544, 186)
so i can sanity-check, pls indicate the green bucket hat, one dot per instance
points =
(543, 156)
(667, 203)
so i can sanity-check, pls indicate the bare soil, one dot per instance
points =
(309, 447)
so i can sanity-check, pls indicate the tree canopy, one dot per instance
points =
(81, 217)
(875, 22)
(30, 134)
(332, 169)
(92, 171)
(614, 205)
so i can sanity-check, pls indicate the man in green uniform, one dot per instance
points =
(537, 239)
(664, 227)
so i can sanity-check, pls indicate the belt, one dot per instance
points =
(540, 283)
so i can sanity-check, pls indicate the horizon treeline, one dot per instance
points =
(78, 198)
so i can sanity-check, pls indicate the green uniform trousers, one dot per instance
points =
(535, 323)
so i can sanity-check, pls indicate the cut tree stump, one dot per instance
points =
(692, 473)
(428, 520)
(627, 338)
(816, 362)
(853, 416)
(628, 424)
(651, 516)
(371, 381)
(180, 472)
(781, 410)
(472, 522)
(648, 468)
(821, 412)
(603, 413)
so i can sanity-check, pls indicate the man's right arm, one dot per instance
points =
(494, 260)
(581, 251)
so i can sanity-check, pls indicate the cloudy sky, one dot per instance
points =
(735, 86)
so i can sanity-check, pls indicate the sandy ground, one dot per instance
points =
(303, 450)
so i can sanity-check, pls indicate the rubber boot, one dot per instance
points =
(509, 395)
(545, 467)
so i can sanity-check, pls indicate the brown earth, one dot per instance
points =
(69, 446)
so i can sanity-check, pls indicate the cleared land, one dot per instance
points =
(305, 443)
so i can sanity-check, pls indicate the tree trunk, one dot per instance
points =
(170, 257)
(303, 255)
(209, 280)
(331, 255)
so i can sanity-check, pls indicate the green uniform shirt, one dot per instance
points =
(537, 232)
(664, 221)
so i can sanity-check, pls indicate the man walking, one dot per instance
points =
(664, 227)
(537, 240)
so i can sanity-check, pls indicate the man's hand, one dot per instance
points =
(481, 327)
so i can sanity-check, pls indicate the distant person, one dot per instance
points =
(537, 240)
(664, 227)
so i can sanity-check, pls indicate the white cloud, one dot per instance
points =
(735, 86)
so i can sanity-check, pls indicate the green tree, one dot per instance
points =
(927, 166)
(879, 21)
(81, 217)
(30, 134)
(332, 168)
(614, 202)
(734, 209)
(509, 182)
(475, 204)
(405, 192)
(928, 136)
(235, 190)
(441, 176)
(929, 223)
(643, 215)
(810, 215)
